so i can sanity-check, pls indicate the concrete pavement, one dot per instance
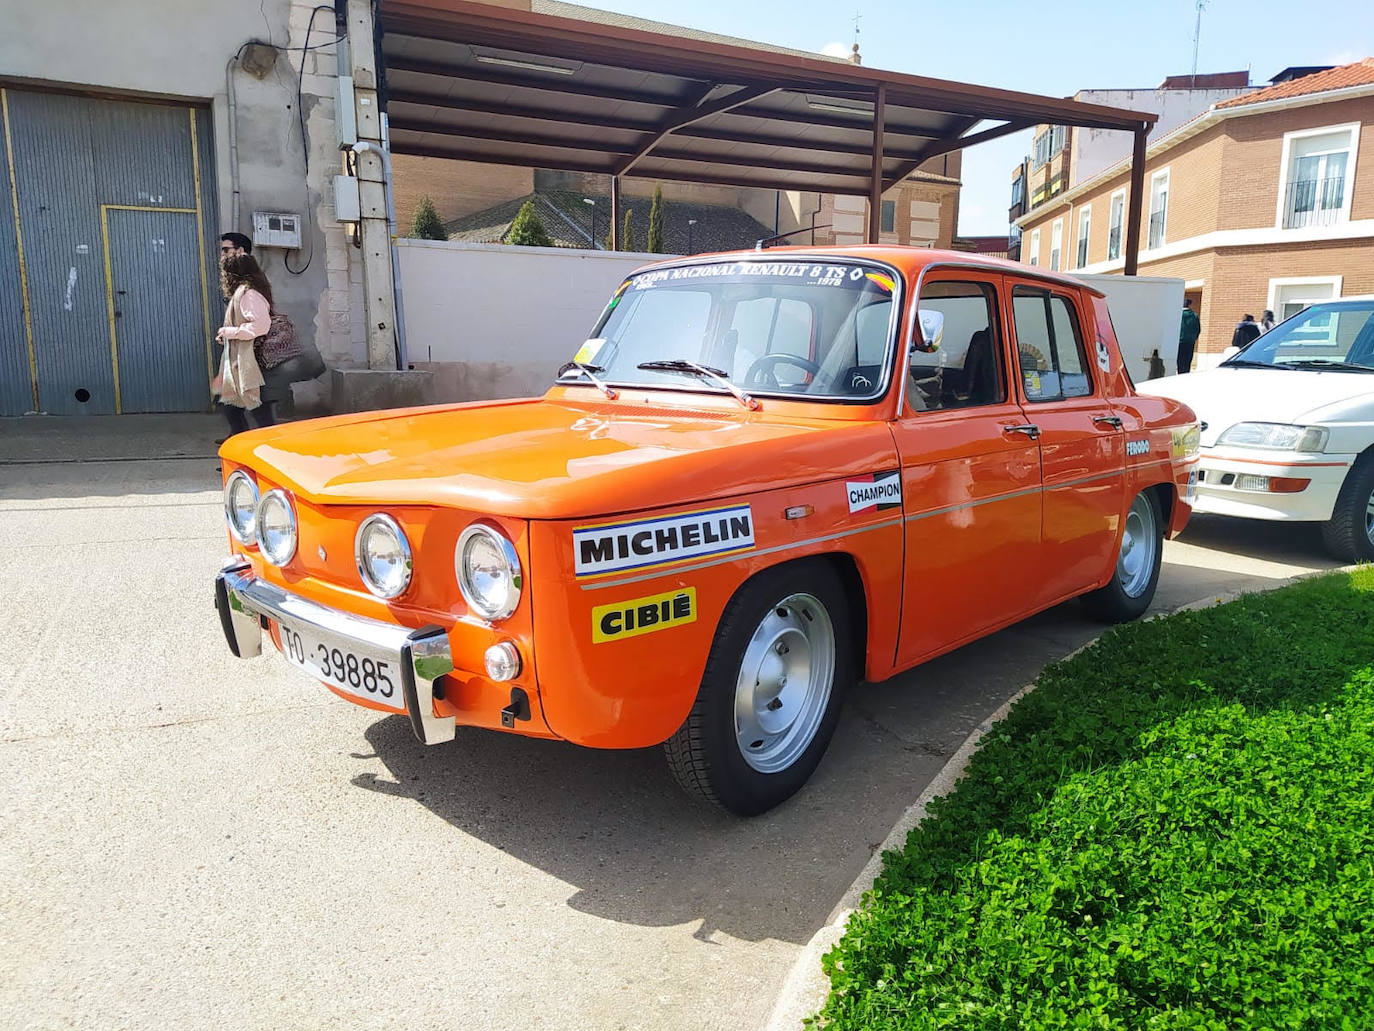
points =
(190, 839)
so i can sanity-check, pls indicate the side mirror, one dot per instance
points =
(930, 329)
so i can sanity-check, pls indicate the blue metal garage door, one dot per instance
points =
(106, 256)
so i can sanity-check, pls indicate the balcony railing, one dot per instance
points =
(1313, 202)
(1156, 229)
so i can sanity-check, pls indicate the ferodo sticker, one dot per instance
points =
(638, 616)
(879, 491)
(646, 543)
(1137, 447)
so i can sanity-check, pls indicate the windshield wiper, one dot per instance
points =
(1322, 363)
(590, 371)
(1244, 363)
(701, 372)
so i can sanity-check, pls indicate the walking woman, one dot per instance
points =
(247, 318)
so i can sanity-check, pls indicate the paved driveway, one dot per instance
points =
(192, 841)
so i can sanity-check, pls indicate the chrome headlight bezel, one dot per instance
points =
(382, 521)
(247, 536)
(1276, 436)
(278, 556)
(514, 577)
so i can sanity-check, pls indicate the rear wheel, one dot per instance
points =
(771, 694)
(1141, 554)
(1349, 533)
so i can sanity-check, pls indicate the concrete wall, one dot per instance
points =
(179, 49)
(492, 321)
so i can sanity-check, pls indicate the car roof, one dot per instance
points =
(910, 260)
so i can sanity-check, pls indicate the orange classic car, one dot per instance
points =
(765, 476)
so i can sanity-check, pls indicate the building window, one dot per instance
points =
(1056, 243)
(1287, 297)
(1116, 220)
(1048, 144)
(1018, 190)
(1316, 176)
(889, 216)
(1034, 257)
(1084, 226)
(1159, 207)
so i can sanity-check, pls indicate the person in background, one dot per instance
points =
(1246, 330)
(1266, 321)
(234, 245)
(247, 317)
(1189, 329)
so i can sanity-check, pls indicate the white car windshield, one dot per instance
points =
(1331, 335)
(819, 329)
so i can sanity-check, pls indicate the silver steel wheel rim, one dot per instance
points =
(1136, 563)
(1369, 518)
(784, 683)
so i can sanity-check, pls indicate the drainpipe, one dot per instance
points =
(232, 104)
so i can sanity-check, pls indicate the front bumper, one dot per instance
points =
(1220, 475)
(246, 603)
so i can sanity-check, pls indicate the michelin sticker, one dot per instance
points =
(880, 491)
(637, 616)
(1137, 447)
(647, 543)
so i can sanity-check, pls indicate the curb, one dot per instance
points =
(806, 987)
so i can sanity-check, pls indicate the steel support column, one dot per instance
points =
(1135, 202)
(875, 193)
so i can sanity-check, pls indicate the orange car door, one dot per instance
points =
(970, 474)
(1082, 449)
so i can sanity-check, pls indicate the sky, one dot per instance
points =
(1075, 45)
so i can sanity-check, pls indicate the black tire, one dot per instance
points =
(1115, 602)
(705, 755)
(1345, 534)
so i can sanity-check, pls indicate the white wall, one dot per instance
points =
(496, 321)
(1145, 314)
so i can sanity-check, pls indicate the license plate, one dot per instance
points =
(351, 667)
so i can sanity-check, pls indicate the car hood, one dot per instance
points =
(542, 459)
(1222, 397)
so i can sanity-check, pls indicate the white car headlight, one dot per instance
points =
(488, 571)
(1275, 435)
(276, 527)
(383, 556)
(241, 506)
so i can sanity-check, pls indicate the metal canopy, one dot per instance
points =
(475, 82)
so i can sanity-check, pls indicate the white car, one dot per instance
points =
(1288, 425)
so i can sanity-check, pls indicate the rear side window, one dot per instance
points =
(1049, 343)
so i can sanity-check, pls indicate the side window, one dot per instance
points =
(1049, 346)
(966, 369)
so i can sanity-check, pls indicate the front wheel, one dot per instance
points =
(1138, 561)
(1349, 533)
(771, 694)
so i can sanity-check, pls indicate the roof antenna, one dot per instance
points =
(854, 58)
(1197, 35)
(768, 241)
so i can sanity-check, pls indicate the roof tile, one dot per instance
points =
(1361, 73)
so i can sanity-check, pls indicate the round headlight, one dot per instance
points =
(276, 527)
(241, 506)
(383, 556)
(488, 571)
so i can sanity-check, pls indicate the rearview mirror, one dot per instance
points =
(930, 328)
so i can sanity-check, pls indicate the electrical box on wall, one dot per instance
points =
(347, 204)
(345, 114)
(276, 229)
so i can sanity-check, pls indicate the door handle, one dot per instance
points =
(1108, 420)
(1029, 429)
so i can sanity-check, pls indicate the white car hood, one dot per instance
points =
(1222, 397)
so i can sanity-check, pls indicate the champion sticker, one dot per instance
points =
(647, 543)
(637, 616)
(879, 491)
(1137, 447)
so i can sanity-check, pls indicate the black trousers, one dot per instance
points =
(241, 420)
(1185, 355)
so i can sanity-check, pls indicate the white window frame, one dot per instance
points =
(1334, 282)
(1057, 249)
(1085, 229)
(1121, 238)
(1286, 162)
(1163, 173)
(1034, 258)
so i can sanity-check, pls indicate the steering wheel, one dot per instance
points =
(761, 373)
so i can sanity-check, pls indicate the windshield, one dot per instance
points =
(1334, 333)
(820, 330)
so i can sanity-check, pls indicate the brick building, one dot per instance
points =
(1266, 200)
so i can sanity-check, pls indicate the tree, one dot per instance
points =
(527, 230)
(656, 222)
(627, 239)
(426, 225)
